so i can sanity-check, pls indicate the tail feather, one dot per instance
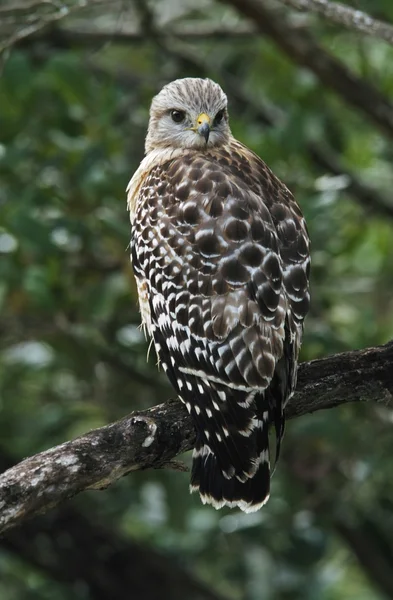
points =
(231, 464)
(230, 432)
(214, 488)
(247, 484)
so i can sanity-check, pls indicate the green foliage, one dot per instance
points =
(72, 356)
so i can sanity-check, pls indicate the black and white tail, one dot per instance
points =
(231, 464)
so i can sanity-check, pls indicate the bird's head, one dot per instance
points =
(188, 113)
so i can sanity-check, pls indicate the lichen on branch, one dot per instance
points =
(153, 437)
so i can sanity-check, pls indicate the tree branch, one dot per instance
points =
(152, 438)
(346, 16)
(303, 49)
(108, 565)
(64, 37)
(372, 201)
(367, 543)
(71, 36)
(28, 18)
(323, 157)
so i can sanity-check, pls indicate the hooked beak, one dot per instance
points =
(203, 126)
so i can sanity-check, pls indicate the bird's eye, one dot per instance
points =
(219, 117)
(177, 115)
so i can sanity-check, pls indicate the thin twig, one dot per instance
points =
(324, 157)
(346, 16)
(94, 38)
(304, 50)
(35, 22)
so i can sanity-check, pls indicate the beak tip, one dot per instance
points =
(204, 131)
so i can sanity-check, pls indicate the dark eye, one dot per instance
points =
(177, 115)
(219, 117)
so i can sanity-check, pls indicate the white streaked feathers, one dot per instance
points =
(221, 256)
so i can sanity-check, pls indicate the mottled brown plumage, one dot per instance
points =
(221, 257)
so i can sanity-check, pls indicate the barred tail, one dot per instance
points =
(214, 488)
(234, 471)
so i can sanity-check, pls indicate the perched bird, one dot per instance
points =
(220, 253)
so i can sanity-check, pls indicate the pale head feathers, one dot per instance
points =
(192, 97)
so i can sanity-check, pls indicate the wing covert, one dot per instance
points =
(212, 264)
(221, 261)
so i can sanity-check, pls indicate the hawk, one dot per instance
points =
(220, 253)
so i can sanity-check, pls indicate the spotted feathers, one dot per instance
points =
(220, 252)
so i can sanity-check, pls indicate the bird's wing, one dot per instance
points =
(293, 245)
(212, 245)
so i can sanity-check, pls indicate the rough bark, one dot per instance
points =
(347, 16)
(152, 438)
